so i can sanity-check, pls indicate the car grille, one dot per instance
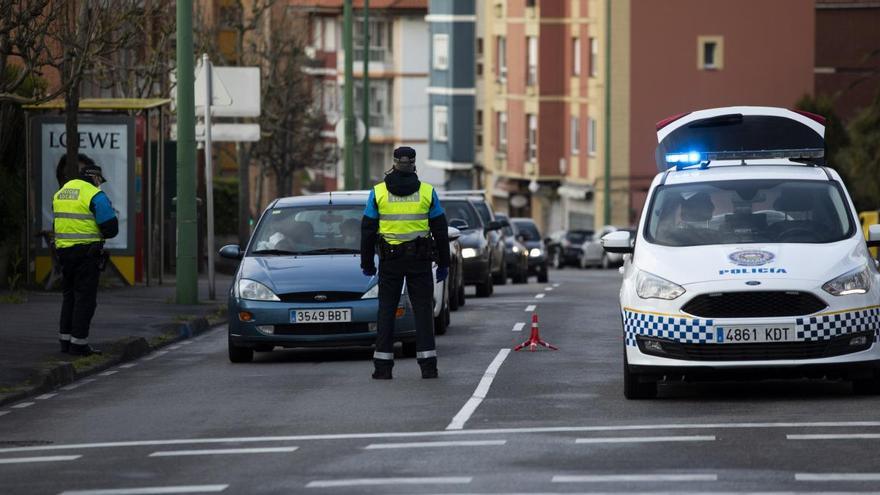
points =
(754, 304)
(321, 328)
(309, 297)
(837, 346)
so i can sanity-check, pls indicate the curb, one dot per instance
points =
(120, 351)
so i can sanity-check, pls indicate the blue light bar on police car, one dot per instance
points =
(685, 159)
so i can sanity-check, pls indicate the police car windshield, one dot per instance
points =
(462, 210)
(309, 230)
(748, 211)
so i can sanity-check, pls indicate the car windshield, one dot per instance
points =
(462, 210)
(483, 210)
(748, 211)
(578, 236)
(528, 230)
(320, 229)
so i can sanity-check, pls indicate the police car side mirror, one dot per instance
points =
(453, 233)
(618, 242)
(231, 251)
(874, 236)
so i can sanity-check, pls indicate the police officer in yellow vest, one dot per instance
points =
(404, 219)
(84, 217)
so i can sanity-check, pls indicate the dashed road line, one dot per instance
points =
(548, 289)
(4, 413)
(530, 308)
(264, 450)
(446, 480)
(128, 365)
(518, 326)
(174, 347)
(108, 373)
(45, 396)
(837, 436)
(555, 285)
(76, 385)
(480, 393)
(22, 405)
(425, 445)
(540, 296)
(186, 342)
(629, 478)
(837, 476)
(151, 490)
(692, 438)
(51, 458)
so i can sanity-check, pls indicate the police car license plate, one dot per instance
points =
(746, 334)
(334, 315)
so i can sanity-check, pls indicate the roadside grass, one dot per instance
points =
(163, 339)
(16, 297)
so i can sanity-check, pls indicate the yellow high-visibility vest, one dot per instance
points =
(74, 221)
(403, 218)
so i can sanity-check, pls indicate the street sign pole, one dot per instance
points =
(365, 157)
(209, 171)
(187, 270)
(348, 151)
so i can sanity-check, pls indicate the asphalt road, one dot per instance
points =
(185, 420)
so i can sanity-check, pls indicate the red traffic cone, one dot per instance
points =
(535, 338)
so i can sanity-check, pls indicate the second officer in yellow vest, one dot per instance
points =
(404, 219)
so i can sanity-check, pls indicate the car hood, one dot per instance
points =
(533, 244)
(817, 263)
(472, 238)
(287, 274)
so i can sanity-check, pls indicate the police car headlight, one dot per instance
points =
(535, 252)
(650, 286)
(468, 253)
(856, 281)
(373, 293)
(255, 291)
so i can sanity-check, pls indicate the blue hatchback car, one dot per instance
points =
(299, 283)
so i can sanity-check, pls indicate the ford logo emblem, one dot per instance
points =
(753, 282)
(751, 257)
(320, 297)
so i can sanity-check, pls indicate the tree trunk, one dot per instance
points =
(71, 121)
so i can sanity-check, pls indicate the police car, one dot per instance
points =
(748, 259)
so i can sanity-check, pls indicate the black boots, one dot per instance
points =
(83, 350)
(382, 369)
(429, 367)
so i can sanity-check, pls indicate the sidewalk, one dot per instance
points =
(129, 322)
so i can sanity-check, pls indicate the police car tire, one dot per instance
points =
(634, 387)
(240, 354)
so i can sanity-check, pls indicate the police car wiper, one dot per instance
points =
(331, 250)
(274, 251)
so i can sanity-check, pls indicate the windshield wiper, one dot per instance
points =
(274, 251)
(331, 250)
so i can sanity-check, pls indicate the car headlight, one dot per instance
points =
(468, 253)
(535, 252)
(255, 291)
(373, 293)
(516, 249)
(856, 281)
(649, 286)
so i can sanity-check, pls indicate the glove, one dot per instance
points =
(442, 273)
(369, 271)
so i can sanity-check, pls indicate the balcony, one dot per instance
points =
(376, 54)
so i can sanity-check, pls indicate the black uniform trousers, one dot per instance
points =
(80, 272)
(420, 286)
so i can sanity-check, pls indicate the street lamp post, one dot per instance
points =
(187, 269)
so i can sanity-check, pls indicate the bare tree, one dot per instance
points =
(26, 50)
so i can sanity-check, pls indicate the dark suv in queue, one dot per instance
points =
(478, 254)
(528, 234)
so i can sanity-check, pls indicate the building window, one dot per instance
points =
(479, 118)
(532, 152)
(532, 54)
(591, 136)
(316, 33)
(575, 136)
(441, 123)
(381, 92)
(710, 52)
(380, 40)
(502, 131)
(330, 100)
(441, 51)
(501, 53)
(594, 57)
(330, 34)
(576, 56)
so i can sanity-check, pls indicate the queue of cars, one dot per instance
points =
(582, 248)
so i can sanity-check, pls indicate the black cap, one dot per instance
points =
(405, 159)
(92, 171)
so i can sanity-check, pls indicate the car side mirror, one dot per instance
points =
(453, 233)
(874, 236)
(494, 225)
(231, 251)
(459, 224)
(504, 223)
(618, 242)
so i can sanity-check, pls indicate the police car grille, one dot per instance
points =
(837, 346)
(754, 304)
(328, 296)
(321, 329)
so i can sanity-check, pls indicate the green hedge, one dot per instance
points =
(226, 205)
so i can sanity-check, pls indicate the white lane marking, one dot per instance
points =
(519, 326)
(174, 347)
(78, 384)
(530, 308)
(440, 433)
(694, 438)
(555, 285)
(128, 365)
(426, 445)
(186, 342)
(45, 396)
(540, 296)
(838, 436)
(22, 405)
(161, 353)
(151, 490)
(480, 393)
(266, 450)
(4, 413)
(628, 478)
(447, 480)
(548, 289)
(837, 476)
(108, 373)
(52, 458)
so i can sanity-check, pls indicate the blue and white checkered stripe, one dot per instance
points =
(823, 327)
(685, 330)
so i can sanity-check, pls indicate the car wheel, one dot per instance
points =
(582, 262)
(635, 386)
(240, 354)
(542, 275)
(440, 323)
(557, 260)
(409, 349)
(485, 289)
(501, 277)
(521, 276)
(606, 263)
(461, 296)
(453, 298)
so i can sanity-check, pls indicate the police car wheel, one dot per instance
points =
(240, 354)
(409, 349)
(635, 386)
